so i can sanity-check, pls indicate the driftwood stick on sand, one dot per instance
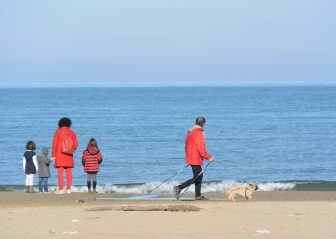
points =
(170, 208)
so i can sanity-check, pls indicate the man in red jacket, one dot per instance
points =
(195, 151)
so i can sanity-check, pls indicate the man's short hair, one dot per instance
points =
(200, 121)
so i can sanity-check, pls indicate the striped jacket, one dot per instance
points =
(91, 159)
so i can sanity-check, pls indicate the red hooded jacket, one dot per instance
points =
(91, 159)
(63, 160)
(195, 149)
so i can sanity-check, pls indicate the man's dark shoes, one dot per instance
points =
(177, 192)
(201, 198)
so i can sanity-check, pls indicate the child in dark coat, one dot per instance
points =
(30, 166)
(91, 160)
(44, 171)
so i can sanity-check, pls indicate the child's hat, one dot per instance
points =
(45, 150)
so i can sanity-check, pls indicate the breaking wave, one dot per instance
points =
(207, 187)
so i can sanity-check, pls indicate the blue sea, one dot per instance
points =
(283, 138)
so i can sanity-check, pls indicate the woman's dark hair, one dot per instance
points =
(30, 145)
(64, 122)
(93, 143)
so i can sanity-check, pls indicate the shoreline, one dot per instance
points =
(21, 199)
(207, 187)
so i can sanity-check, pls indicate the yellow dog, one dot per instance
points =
(245, 192)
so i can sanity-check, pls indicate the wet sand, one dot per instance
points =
(268, 215)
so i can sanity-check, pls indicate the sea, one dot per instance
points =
(281, 137)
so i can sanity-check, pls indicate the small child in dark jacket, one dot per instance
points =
(91, 160)
(44, 171)
(30, 166)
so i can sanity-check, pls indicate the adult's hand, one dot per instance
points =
(211, 159)
(53, 158)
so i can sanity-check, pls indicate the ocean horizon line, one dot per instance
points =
(154, 85)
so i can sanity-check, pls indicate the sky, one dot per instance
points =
(167, 42)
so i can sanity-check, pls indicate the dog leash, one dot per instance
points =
(176, 173)
(246, 188)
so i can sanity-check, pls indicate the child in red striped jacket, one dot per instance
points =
(91, 160)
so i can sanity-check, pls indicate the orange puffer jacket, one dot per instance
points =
(195, 149)
(91, 159)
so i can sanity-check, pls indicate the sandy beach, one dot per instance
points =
(268, 215)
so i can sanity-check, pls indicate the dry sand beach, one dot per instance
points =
(269, 215)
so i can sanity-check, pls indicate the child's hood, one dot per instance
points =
(92, 150)
(45, 151)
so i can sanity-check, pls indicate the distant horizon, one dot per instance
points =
(135, 85)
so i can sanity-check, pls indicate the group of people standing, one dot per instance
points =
(65, 144)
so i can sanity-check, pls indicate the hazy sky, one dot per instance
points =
(167, 42)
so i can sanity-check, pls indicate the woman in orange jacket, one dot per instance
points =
(64, 145)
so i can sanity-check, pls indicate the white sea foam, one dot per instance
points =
(207, 187)
(276, 186)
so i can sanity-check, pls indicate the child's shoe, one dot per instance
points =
(89, 190)
(95, 191)
(59, 192)
(68, 191)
